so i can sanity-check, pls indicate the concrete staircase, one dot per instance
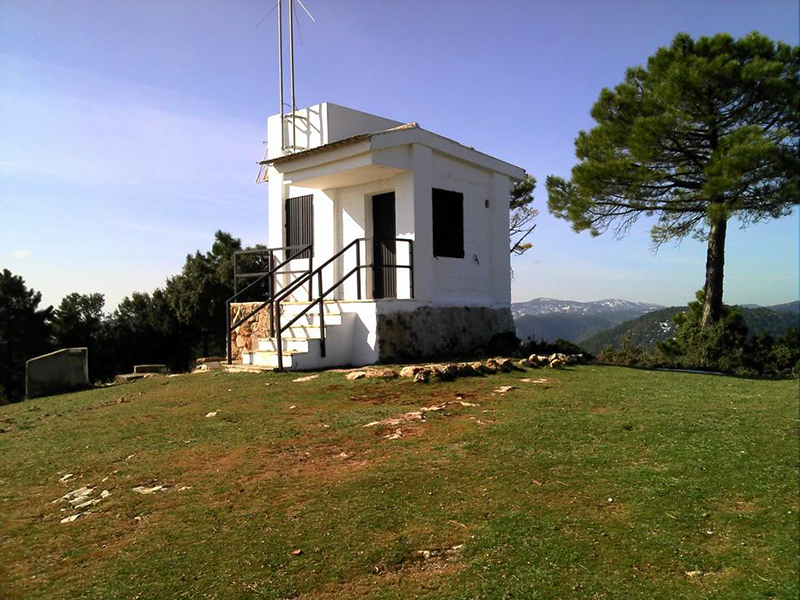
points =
(301, 342)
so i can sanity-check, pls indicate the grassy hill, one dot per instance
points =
(601, 482)
(657, 326)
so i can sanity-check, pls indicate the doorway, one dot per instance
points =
(384, 251)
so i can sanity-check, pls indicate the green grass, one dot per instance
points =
(603, 483)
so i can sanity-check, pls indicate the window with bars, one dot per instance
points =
(448, 223)
(300, 223)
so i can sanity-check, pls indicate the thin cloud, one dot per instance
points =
(21, 254)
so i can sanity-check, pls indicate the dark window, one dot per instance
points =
(299, 223)
(448, 223)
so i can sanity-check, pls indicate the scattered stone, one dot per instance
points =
(467, 370)
(688, 573)
(121, 399)
(306, 378)
(493, 365)
(421, 377)
(409, 371)
(70, 519)
(297, 552)
(525, 364)
(140, 489)
(88, 503)
(292, 407)
(105, 494)
(478, 367)
(440, 552)
(355, 375)
(184, 488)
(506, 364)
(343, 455)
(76, 496)
(211, 414)
(540, 380)
(414, 415)
(396, 435)
(381, 374)
(556, 363)
(504, 388)
(66, 477)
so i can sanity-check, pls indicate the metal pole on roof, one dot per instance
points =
(280, 71)
(291, 72)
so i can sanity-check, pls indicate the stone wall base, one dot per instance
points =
(431, 331)
(245, 337)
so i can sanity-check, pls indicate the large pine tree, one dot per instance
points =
(706, 132)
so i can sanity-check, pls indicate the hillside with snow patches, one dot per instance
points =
(550, 319)
(596, 324)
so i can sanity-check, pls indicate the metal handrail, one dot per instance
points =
(320, 299)
(271, 273)
(274, 299)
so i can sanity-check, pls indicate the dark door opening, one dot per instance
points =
(384, 277)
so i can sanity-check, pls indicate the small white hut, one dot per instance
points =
(387, 242)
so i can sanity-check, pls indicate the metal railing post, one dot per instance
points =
(310, 278)
(411, 268)
(228, 332)
(321, 316)
(278, 338)
(358, 269)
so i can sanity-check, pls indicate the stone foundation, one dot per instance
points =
(245, 337)
(440, 331)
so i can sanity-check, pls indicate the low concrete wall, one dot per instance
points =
(431, 331)
(60, 371)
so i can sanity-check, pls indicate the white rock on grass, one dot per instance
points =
(71, 518)
(307, 378)
(141, 489)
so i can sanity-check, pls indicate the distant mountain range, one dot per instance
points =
(549, 319)
(649, 329)
(596, 324)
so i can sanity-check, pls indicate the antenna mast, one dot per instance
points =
(291, 74)
(280, 71)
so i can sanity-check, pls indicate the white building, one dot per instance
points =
(403, 230)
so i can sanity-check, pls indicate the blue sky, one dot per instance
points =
(129, 131)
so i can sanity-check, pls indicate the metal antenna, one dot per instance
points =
(310, 16)
(280, 71)
(291, 74)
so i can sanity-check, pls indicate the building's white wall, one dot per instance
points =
(320, 124)
(345, 122)
(472, 280)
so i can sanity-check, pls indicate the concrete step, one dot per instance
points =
(289, 344)
(310, 319)
(244, 368)
(269, 359)
(305, 331)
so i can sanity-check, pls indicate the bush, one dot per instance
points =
(560, 346)
(630, 355)
(716, 347)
